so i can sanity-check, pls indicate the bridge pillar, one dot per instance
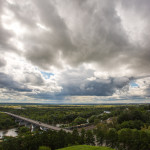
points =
(22, 123)
(44, 129)
(33, 127)
(17, 120)
(28, 125)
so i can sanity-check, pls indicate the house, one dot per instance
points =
(107, 112)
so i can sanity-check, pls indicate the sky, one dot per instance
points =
(75, 51)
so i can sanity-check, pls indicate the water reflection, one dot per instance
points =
(9, 132)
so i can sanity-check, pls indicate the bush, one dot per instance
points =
(79, 120)
(44, 148)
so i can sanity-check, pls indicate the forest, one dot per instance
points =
(122, 127)
(6, 122)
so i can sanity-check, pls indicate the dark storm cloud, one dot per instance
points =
(20, 11)
(86, 88)
(90, 88)
(97, 35)
(7, 82)
(148, 92)
(80, 85)
(98, 87)
(81, 32)
(43, 56)
(47, 96)
(139, 60)
(137, 5)
(49, 45)
(4, 39)
(5, 35)
(33, 79)
(71, 33)
(2, 62)
(139, 77)
(75, 84)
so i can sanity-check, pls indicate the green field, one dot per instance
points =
(86, 147)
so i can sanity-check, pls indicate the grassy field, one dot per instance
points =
(58, 106)
(86, 147)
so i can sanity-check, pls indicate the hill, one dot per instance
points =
(86, 147)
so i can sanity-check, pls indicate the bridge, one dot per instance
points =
(37, 123)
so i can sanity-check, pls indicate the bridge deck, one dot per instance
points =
(37, 123)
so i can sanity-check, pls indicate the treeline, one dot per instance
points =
(133, 119)
(6, 121)
(58, 114)
(129, 130)
(125, 128)
(51, 139)
(124, 139)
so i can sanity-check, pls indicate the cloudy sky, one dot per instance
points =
(75, 51)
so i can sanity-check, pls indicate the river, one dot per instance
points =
(9, 132)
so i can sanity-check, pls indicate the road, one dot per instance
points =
(37, 123)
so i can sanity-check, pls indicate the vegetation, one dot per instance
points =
(6, 121)
(23, 130)
(51, 114)
(86, 147)
(123, 128)
(51, 139)
(44, 148)
(79, 120)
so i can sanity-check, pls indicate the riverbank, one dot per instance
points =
(10, 132)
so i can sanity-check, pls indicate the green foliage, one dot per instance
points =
(44, 148)
(51, 139)
(124, 137)
(92, 118)
(56, 114)
(112, 138)
(129, 130)
(76, 137)
(96, 121)
(89, 138)
(101, 132)
(6, 121)
(83, 137)
(79, 120)
(133, 115)
(23, 130)
(86, 147)
(132, 124)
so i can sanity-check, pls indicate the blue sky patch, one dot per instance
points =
(133, 84)
(47, 75)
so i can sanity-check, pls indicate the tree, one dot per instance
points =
(101, 133)
(82, 137)
(135, 139)
(90, 138)
(124, 137)
(132, 124)
(79, 120)
(92, 118)
(23, 130)
(75, 136)
(44, 148)
(112, 137)
(144, 140)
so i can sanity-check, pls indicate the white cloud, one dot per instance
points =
(94, 49)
